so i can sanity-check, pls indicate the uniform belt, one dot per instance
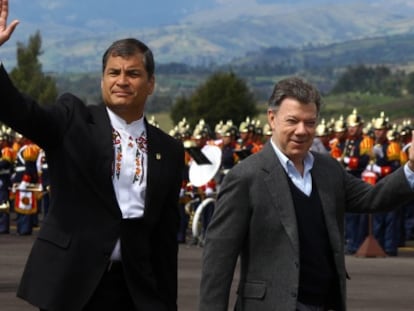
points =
(4, 172)
(19, 168)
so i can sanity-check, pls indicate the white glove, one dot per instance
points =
(346, 160)
(376, 169)
(209, 191)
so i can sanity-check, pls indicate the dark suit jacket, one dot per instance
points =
(76, 239)
(255, 218)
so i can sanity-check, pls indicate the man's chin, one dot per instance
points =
(297, 153)
(118, 105)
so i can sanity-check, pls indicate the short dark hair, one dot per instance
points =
(296, 88)
(128, 47)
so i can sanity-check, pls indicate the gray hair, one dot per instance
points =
(295, 88)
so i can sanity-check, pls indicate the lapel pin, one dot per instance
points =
(158, 156)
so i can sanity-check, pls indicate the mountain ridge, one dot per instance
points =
(215, 32)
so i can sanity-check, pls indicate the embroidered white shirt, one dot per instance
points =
(129, 175)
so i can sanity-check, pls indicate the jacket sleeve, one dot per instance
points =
(26, 116)
(224, 239)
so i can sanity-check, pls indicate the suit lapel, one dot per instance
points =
(155, 160)
(101, 134)
(278, 187)
(322, 180)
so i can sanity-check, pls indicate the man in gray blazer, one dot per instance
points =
(109, 239)
(282, 211)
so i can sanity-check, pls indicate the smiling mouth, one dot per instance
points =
(122, 93)
(299, 143)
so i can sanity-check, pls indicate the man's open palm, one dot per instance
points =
(5, 31)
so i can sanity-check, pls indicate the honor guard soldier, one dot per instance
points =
(337, 143)
(322, 138)
(245, 142)
(257, 136)
(181, 133)
(218, 130)
(407, 210)
(43, 169)
(26, 188)
(356, 156)
(387, 158)
(6, 166)
(202, 137)
(228, 157)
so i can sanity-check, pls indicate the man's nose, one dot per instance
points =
(122, 79)
(301, 127)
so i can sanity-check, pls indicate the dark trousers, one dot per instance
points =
(4, 222)
(356, 231)
(111, 294)
(24, 224)
(386, 228)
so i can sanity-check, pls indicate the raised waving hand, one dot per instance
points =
(5, 30)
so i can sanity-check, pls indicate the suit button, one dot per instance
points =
(294, 295)
(296, 264)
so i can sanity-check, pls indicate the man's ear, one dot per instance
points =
(151, 83)
(271, 117)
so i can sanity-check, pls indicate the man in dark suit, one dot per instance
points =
(282, 210)
(109, 240)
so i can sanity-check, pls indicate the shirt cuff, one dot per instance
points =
(409, 174)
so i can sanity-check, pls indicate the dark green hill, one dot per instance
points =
(322, 65)
(392, 50)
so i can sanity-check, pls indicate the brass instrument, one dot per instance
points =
(5, 207)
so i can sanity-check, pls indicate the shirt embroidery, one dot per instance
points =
(141, 148)
(116, 141)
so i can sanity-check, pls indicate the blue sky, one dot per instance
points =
(128, 13)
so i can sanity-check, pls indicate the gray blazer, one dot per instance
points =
(255, 218)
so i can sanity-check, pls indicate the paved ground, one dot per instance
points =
(377, 284)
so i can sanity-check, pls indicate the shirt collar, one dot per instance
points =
(132, 128)
(286, 163)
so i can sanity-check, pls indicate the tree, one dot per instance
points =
(223, 96)
(181, 108)
(374, 80)
(28, 76)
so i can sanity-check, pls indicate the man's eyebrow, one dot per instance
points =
(113, 69)
(134, 69)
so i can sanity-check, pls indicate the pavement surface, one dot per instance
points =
(376, 284)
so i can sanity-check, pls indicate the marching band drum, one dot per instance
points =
(203, 167)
